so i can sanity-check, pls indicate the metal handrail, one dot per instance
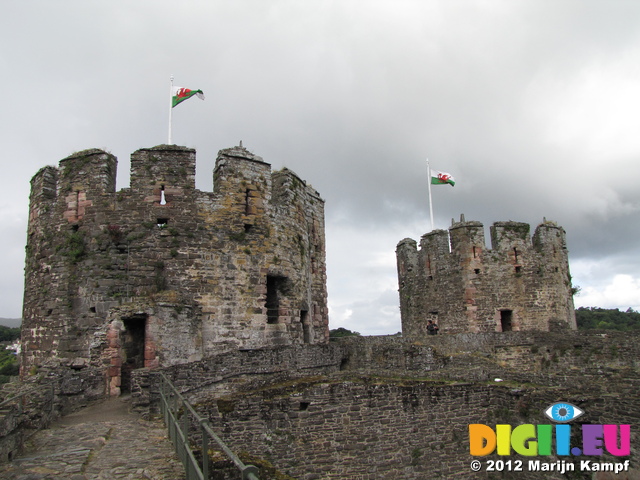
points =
(171, 401)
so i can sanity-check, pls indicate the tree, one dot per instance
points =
(607, 319)
(8, 334)
(342, 332)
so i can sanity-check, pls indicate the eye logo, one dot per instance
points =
(539, 440)
(563, 412)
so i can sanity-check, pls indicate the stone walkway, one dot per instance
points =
(101, 442)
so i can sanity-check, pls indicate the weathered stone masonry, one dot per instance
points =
(162, 273)
(388, 407)
(224, 292)
(521, 283)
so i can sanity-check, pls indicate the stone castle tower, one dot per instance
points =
(161, 273)
(521, 283)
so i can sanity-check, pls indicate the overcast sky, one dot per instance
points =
(533, 106)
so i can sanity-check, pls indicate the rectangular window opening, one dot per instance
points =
(505, 320)
(249, 202)
(162, 222)
(306, 327)
(345, 363)
(276, 286)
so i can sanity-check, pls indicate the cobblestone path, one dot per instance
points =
(101, 442)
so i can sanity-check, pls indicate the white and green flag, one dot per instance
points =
(180, 94)
(442, 178)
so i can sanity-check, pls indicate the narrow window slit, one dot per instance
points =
(248, 210)
(505, 320)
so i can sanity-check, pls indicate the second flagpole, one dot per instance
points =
(430, 201)
(170, 109)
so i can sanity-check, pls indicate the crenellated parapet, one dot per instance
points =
(91, 171)
(453, 279)
(165, 170)
(161, 273)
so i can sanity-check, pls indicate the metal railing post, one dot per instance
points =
(179, 434)
(205, 449)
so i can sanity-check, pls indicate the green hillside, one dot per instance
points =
(590, 318)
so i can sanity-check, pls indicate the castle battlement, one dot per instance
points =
(521, 283)
(161, 273)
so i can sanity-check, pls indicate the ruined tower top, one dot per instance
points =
(520, 283)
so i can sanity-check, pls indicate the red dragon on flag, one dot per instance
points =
(442, 178)
(180, 94)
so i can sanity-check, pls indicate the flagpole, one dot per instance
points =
(430, 201)
(170, 109)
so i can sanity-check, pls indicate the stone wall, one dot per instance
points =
(24, 409)
(390, 407)
(162, 273)
(236, 370)
(541, 357)
(521, 283)
(375, 428)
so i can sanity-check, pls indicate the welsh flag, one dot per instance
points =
(441, 178)
(181, 94)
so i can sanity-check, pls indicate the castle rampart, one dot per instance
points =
(392, 407)
(162, 273)
(521, 283)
